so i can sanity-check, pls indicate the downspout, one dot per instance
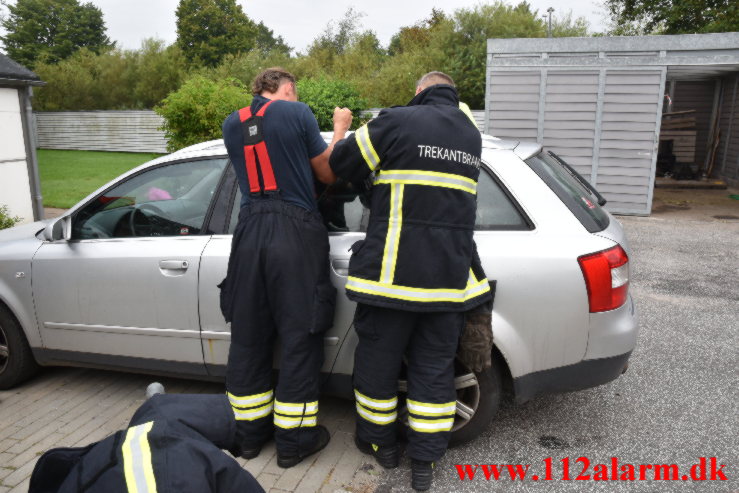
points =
(29, 136)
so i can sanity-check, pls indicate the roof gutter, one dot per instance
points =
(29, 136)
(4, 81)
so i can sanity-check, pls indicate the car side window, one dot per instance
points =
(170, 200)
(496, 209)
(340, 206)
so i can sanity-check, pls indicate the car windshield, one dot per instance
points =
(581, 201)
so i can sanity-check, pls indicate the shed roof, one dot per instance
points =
(16, 74)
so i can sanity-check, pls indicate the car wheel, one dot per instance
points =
(16, 360)
(478, 400)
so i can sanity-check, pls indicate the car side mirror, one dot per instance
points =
(60, 229)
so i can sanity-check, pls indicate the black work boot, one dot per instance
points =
(286, 461)
(422, 472)
(251, 451)
(385, 455)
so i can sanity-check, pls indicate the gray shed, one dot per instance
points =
(598, 103)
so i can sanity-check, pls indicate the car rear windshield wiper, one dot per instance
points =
(601, 200)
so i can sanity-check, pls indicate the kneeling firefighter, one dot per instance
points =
(172, 445)
(278, 273)
(417, 271)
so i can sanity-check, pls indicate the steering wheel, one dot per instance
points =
(149, 213)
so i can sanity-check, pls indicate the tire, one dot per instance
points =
(16, 360)
(480, 393)
(482, 397)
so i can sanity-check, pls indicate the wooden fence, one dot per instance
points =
(127, 131)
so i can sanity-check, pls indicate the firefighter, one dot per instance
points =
(278, 282)
(417, 271)
(172, 444)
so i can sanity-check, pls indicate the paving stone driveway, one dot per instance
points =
(68, 407)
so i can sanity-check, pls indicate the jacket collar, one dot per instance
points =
(437, 94)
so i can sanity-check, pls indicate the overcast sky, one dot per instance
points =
(299, 21)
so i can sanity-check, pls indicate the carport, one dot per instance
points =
(599, 103)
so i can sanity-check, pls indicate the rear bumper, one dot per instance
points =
(583, 375)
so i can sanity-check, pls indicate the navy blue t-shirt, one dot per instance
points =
(293, 138)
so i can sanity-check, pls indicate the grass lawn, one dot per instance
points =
(69, 176)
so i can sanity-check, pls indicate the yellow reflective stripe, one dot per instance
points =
(137, 467)
(377, 418)
(249, 400)
(429, 409)
(430, 425)
(296, 408)
(392, 240)
(252, 414)
(288, 423)
(366, 148)
(378, 404)
(428, 178)
(472, 280)
(417, 294)
(466, 110)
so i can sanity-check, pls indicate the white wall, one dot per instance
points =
(15, 189)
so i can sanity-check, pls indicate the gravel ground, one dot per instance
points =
(678, 402)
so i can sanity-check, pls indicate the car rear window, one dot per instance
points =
(582, 202)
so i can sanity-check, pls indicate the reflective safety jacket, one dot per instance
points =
(419, 253)
(173, 444)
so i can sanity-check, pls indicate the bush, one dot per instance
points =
(196, 111)
(323, 95)
(6, 220)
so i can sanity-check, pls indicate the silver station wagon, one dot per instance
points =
(127, 279)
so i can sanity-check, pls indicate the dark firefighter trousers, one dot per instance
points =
(429, 341)
(172, 444)
(277, 285)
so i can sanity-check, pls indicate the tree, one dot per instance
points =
(673, 16)
(267, 43)
(52, 30)
(565, 25)
(207, 30)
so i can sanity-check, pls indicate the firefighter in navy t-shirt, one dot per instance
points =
(278, 273)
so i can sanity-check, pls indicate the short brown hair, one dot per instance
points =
(433, 78)
(271, 79)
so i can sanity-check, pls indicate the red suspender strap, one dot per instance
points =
(251, 161)
(265, 164)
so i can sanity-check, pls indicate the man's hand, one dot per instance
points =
(342, 121)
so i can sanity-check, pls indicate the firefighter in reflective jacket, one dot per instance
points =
(172, 444)
(278, 282)
(417, 271)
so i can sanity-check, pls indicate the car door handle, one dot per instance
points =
(340, 266)
(174, 264)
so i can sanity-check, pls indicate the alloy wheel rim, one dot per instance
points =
(468, 396)
(4, 350)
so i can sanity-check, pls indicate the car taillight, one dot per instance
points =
(606, 277)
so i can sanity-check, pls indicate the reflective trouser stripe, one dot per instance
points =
(288, 423)
(252, 414)
(388, 290)
(137, 467)
(430, 425)
(429, 409)
(250, 400)
(395, 224)
(295, 414)
(376, 418)
(296, 408)
(366, 147)
(378, 404)
(428, 178)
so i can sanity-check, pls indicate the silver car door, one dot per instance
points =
(125, 284)
(215, 331)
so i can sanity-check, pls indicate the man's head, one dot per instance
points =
(275, 83)
(431, 79)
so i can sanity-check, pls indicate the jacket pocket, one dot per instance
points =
(324, 303)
